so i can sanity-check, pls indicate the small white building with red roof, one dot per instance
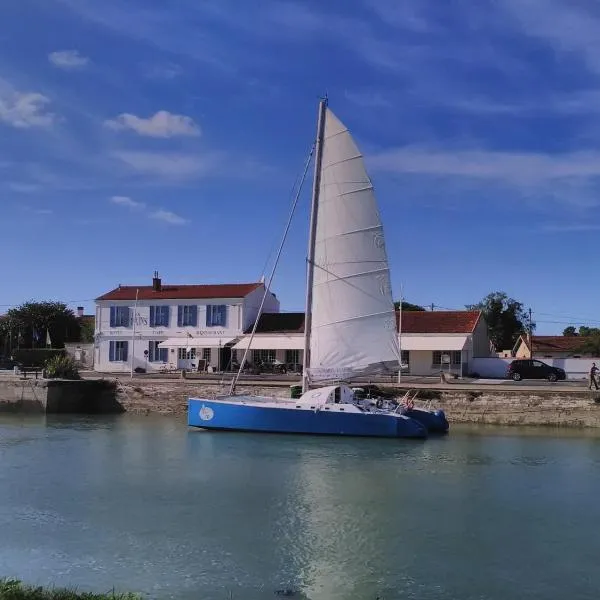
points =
(167, 326)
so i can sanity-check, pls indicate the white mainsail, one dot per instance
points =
(353, 329)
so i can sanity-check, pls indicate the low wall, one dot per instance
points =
(564, 408)
(576, 368)
(58, 396)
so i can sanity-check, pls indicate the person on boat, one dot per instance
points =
(593, 376)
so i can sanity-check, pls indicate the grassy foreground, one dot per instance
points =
(12, 589)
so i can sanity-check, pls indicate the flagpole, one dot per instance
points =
(133, 332)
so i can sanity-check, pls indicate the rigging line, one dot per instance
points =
(297, 181)
(272, 274)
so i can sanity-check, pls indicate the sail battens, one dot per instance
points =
(353, 317)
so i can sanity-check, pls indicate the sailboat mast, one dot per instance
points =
(311, 241)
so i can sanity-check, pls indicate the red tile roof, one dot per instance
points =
(292, 322)
(181, 292)
(554, 343)
(442, 321)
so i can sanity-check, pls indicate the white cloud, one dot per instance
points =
(126, 201)
(508, 166)
(368, 99)
(68, 59)
(165, 216)
(166, 71)
(168, 217)
(170, 164)
(24, 110)
(546, 182)
(564, 25)
(24, 188)
(161, 125)
(38, 211)
(568, 227)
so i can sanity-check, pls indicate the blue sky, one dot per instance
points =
(147, 135)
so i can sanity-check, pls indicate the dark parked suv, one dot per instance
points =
(534, 369)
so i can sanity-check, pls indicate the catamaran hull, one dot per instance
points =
(433, 420)
(211, 414)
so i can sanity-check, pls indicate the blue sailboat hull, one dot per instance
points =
(211, 414)
(434, 420)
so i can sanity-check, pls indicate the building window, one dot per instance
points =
(292, 357)
(117, 351)
(159, 316)
(120, 316)
(206, 354)
(187, 316)
(216, 315)
(263, 356)
(156, 354)
(455, 357)
(405, 359)
(186, 353)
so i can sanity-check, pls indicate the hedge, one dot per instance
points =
(35, 357)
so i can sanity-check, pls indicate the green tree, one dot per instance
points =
(86, 331)
(590, 344)
(570, 331)
(506, 319)
(26, 326)
(408, 306)
(588, 331)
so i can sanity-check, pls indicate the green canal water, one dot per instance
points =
(144, 504)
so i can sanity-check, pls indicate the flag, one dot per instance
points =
(48, 340)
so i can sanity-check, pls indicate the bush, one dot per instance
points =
(35, 357)
(61, 367)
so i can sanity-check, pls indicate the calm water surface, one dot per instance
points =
(144, 504)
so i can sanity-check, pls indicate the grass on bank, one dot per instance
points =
(13, 589)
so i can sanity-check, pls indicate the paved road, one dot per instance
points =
(497, 385)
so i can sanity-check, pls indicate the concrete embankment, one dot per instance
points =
(58, 396)
(565, 407)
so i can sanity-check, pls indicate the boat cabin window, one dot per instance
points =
(337, 395)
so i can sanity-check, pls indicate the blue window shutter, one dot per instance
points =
(153, 316)
(113, 316)
(111, 350)
(194, 316)
(165, 316)
(208, 315)
(124, 356)
(224, 315)
(179, 316)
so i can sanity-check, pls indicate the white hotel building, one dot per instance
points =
(174, 326)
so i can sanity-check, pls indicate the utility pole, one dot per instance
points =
(530, 336)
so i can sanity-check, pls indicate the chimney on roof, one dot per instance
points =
(80, 311)
(156, 282)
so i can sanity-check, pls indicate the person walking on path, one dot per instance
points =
(593, 375)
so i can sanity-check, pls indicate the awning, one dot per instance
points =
(272, 342)
(433, 342)
(196, 342)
